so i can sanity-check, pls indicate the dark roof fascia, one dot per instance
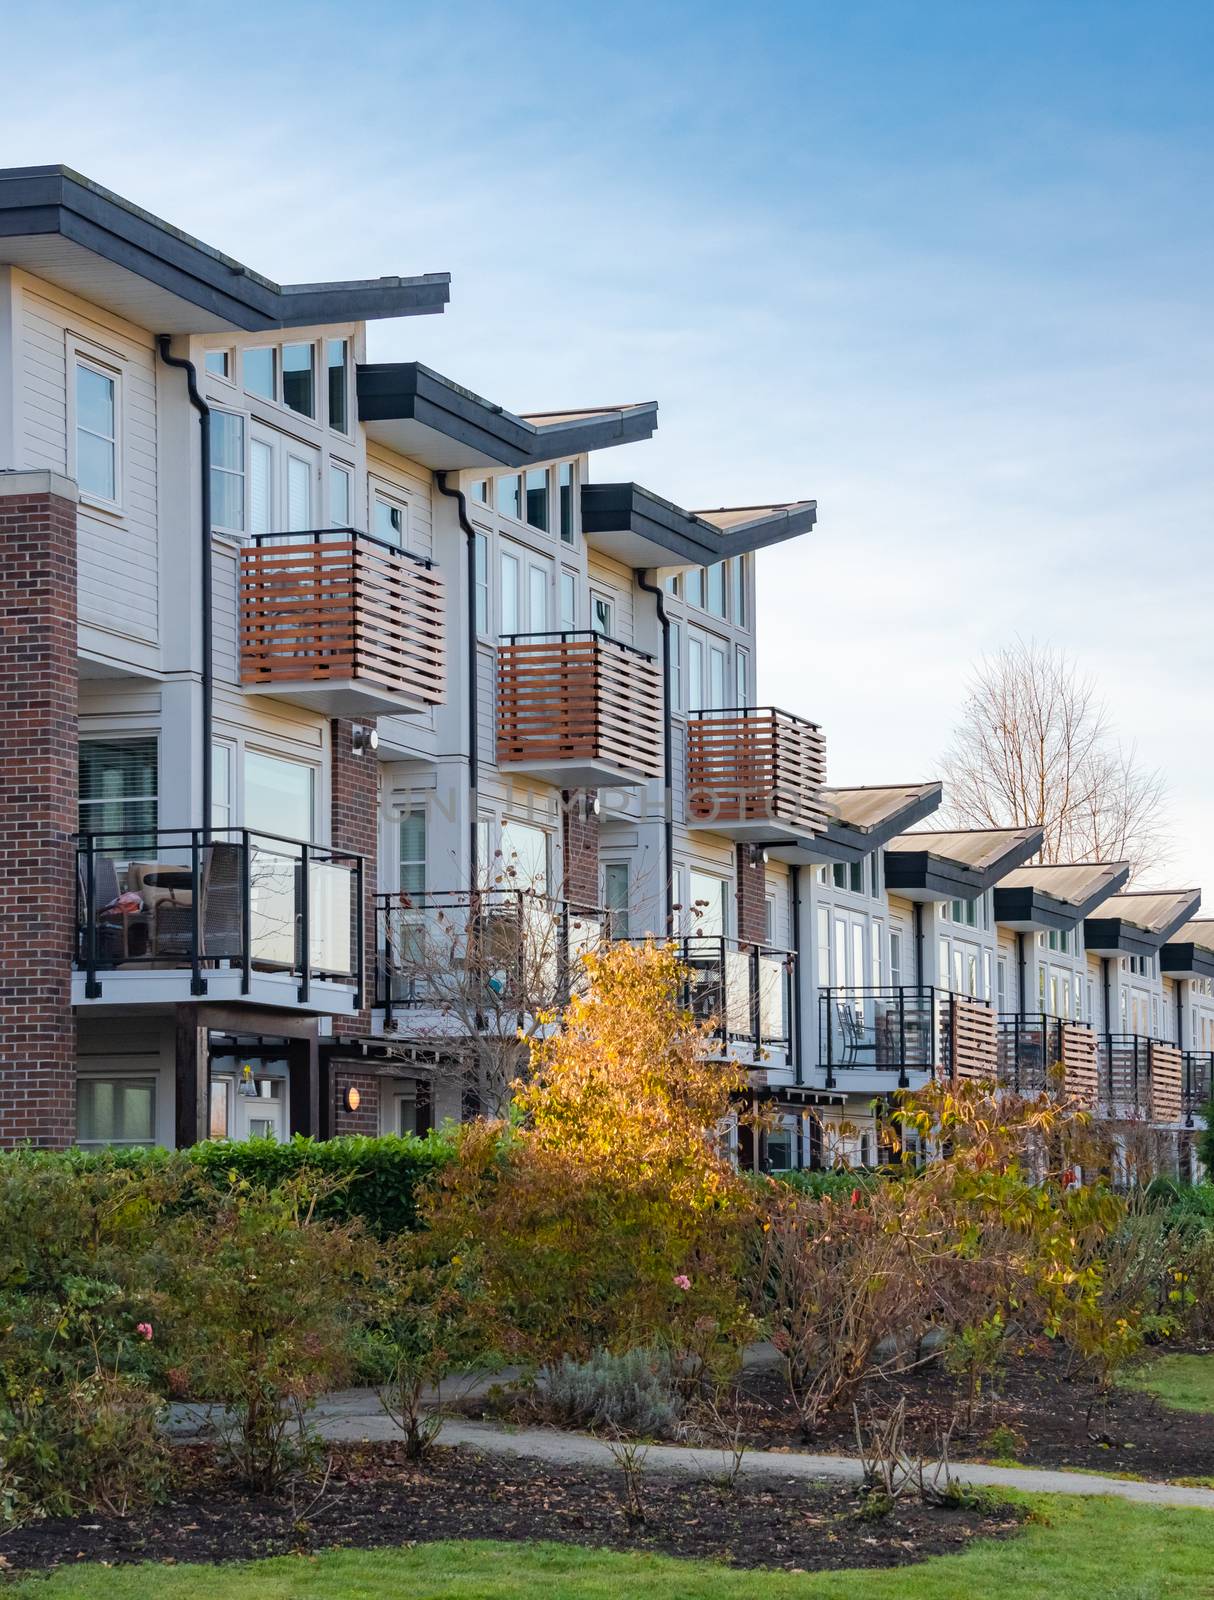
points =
(407, 391)
(56, 200)
(1186, 960)
(919, 870)
(1027, 904)
(630, 508)
(1106, 935)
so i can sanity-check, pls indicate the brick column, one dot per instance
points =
(354, 786)
(38, 790)
(752, 898)
(579, 851)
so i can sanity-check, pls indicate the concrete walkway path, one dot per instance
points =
(355, 1415)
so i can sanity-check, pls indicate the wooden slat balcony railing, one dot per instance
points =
(579, 709)
(1038, 1052)
(755, 771)
(907, 1029)
(1167, 1082)
(973, 1049)
(341, 621)
(1140, 1079)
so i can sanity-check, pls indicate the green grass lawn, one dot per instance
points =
(1082, 1549)
(1186, 1383)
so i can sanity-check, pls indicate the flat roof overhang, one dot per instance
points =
(636, 526)
(72, 232)
(926, 875)
(1186, 959)
(421, 414)
(1117, 935)
(1028, 910)
(840, 841)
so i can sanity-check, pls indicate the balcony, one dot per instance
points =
(179, 915)
(342, 623)
(578, 709)
(1139, 1079)
(755, 772)
(905, 1030)
(1038, 1053)
(745, 991)
(490, 960)
(1198, 1083)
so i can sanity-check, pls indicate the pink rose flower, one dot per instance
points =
(144, 1330)
(682, 1281)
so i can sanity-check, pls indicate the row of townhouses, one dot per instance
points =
(342, 708)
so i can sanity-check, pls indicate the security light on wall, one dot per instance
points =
(758, 856)
(591, 806)
(365, 740)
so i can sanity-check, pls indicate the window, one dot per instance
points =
(118, 788)
(537, 598)
(694, 585)
(96, 432)
(565, 481)
(986, 975)
(742, 670)
(875, 873)
(510, 496)
(602, 614)
(737, 568)
(695, 673)
(716, 677)
(220, 1119)
(261, 486)
(482, 583)
(221, 785)
(339, 496)
(839, 873)
(299, 496)
(524, 862)
(944, 963)
(412, 850)
(335, 363)
(389, 522)
(769, 920)
(219, 364)
(568, 601)
(674, 586)
(1001, 983)
(716, 589)
(674, 665)
(508, 568)
(615, 897)
(823, 951)
(855, 877)
(878, 975)
(261, 371)
(299, 378)
(895, 958)
(227, 472)
(116, 1111)
(537, 498)
(279, 795)
(480, 491)
(709, 896)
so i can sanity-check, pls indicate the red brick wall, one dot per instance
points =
(38, 785)
(752, 897)
(355, 795)
(366, 1118)
(580, 851)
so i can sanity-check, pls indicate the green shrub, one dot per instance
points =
(631, 1393)
(375, 1181)
(832, 1185)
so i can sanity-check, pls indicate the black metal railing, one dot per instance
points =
(1198, 1082)
(570, 635)
(898, 1029)
(1123, 1069)
(337, 536)
(202, 900)
(746, 991)
(1032, 1049)
(470, 954)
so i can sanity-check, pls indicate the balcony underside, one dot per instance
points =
(343, 697)
(773, 831)
(578, 772)
(122, 990)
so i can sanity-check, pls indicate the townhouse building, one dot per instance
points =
(345, 708)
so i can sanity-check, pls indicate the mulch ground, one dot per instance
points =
(1060, 1421)
(376, 1498)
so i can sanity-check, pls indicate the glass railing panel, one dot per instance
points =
(738, 1019)
(773, 999)
(273, 904)
(330, 926)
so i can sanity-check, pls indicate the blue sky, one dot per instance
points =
(945, 267)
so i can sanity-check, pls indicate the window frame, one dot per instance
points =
(346, 432)
(140, 1080)
(245, 497)
(110, 368)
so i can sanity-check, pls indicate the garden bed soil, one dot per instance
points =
(375, 1498)
(1059, 1421)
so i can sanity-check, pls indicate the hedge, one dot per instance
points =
(378, 1178)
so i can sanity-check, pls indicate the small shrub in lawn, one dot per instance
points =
(633, 1393)
(1004, 1443)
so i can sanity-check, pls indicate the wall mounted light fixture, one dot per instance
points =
(365, 741)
